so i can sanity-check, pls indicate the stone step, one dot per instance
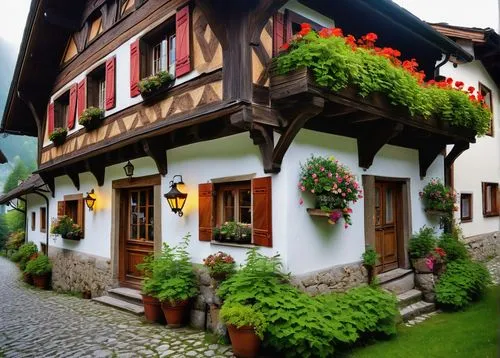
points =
(416, 309)
(399, 282)
(120, 304)
(126, 294)
(409, 297)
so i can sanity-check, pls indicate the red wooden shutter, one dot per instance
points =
(135, 69)
(72, 106)
(50, 118)
(82, 97)
(278, 32)
(110, 83)
(262, 211)
(205, 211)
(183, 42)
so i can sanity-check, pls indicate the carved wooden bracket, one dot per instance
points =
(262, 136)
(249, 115)
(158, 152)
(97, 168)
(457, 150)
(370, 143)
(427, 155)
(73, 175)
(49, 180)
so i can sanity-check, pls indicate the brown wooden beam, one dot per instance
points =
(262, 136)
(98, 168)
(157, 150)
(48, 179)
(370, 143)
(457, 150)
(73, 175)
(426, 156)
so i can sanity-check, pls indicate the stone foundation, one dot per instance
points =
(336, 279)
(78, 272)
(484, 247)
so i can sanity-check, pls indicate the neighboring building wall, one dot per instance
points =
(481, 163)
(33, 204)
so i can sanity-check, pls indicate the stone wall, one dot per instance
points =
(335, 279)
(77, 272)
(484, 247)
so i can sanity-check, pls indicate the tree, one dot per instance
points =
(20, 172)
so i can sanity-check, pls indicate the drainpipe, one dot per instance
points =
(439, 65)
(46, 220)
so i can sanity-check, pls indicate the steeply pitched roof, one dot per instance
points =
(31, 184)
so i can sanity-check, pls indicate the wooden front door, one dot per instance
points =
(136, 233)
(387, 206)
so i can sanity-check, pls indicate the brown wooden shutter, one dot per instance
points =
(61, 209)
(82, 97)
(80, 214)
(110, 83)
(262, 211)
(135, 69)
(50, 117)
(278, 32)
(72, 106)
(182, 42)
(205, 211)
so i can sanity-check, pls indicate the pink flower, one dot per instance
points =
(343, 194)
(303, 188)
(312, 191)
(360, 196)
(346, 225)
(322, 169)
(330, 174)
(339, 180)
(334, 186)
(301, 201)
(314, 176)
(316, 180)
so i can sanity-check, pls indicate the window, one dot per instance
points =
(488, 99)
(293, 21)
(490, 199)
(465, 207)
(72, 206)
(286, 25)
(61, 108)
(141, 214)
(234, 202)
(71, 50)
(43, 219)
(33, 221)
(96, 88)
(126, 7)
(95, 28)
(158, 50)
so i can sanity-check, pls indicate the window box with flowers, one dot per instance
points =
(65, 227)
(58, 136)
(438, 199)
(233, 232)
(153, 86)
(334, 187)
(91, 118)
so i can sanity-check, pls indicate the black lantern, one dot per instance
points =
(174, 197)
(129, 169)
(90, 200)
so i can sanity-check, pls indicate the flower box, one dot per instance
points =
(91, 118)
(156, 85)
(148, 96)
(58, 136)
(318, 212)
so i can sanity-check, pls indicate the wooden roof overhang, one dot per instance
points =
(32, 184)
(3, 158)
(373, 121)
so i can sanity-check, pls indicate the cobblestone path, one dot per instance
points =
(35, 323)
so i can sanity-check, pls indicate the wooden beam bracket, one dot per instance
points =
(158, 152)
(73, 175)
(97, 168)
(49, 180)
(427, 155)
(262, 136)
(370, 143)
(457, 150)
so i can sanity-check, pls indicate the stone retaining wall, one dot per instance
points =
(77, 272)
(484, 247)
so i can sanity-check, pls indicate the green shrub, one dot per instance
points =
(370, 257)
(39, 266)
(239, 316)
(298, 324)
(151, 283)
(16, 240)
(454, 248)
(463, 282)
(422, 243)
(23, 255)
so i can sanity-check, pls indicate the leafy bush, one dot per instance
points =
(26, 251)
(39, 266)
(422, 243)
(297, 324)
(239, 316)
(151, 283)
(463, 282)
(65, 227)
(370, 257)
(454, 248)
(437, 196)
(154, 82)
(220, 265)
(91, 116)
(172, 275)
(16, 240)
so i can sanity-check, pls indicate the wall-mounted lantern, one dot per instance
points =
(90, 200)
(174, 197)
(129, 169)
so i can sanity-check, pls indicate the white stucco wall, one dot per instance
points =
(33, 204)
(481, 163)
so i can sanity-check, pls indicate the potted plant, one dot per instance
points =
(220, 265)
(65, 227)
(421, 248)
(244, 235)
(178, 283)
(91, 118)
(437, 197)
(155, 84)
(246, 328)
(40, 269)
(150, 287)
(333, 185)
(370, 258)
(58, 136)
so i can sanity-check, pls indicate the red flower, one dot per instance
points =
(472, 97)
(480, 97)
(449, 80)
(471, 89)
(459, 84)
(337, 32)
(372, 37)
(324, 33)
(305, 28)
(285, 46)
(431, 82)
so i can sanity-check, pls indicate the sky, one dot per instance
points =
(13, 15)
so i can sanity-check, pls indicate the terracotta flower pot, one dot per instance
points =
(41, 281)
(28, 278)
(174, 313)
(245, 342)
(152, 309)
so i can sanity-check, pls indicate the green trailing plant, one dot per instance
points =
(66, 227)
(463, 282)
(153, 83)
(422, 243)
(58, 135)
(26, 251)
(239, 316)
(455, 249)
(41, 265)
(174, 272)
(439, 197)
(337, 62)
(91, 117)
(299, 325)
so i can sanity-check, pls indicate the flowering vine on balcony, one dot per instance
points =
(339, 61)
